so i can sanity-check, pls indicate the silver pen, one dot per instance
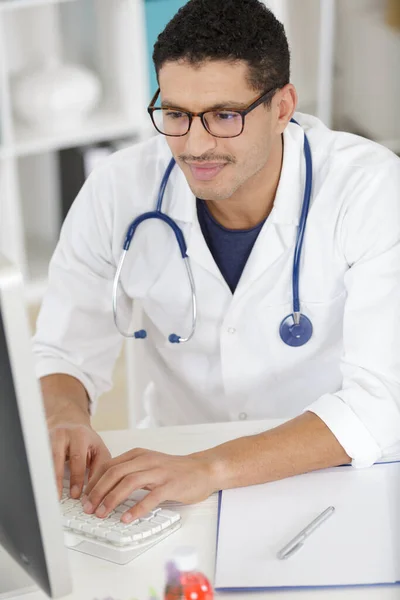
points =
(297, 542)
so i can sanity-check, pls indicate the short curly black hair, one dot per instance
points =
(229, 30)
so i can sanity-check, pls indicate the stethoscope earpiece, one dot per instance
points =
(140, 335)
(293, 334)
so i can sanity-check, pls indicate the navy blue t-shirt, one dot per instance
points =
(230, 248)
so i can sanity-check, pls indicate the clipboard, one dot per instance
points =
(358, 546)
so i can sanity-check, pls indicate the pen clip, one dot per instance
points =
(290, 552)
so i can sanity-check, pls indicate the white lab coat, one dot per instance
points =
(236, 366)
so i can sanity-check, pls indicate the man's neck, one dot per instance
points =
(253, 202)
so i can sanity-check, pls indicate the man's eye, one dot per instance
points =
(173, 114)
(227, 116)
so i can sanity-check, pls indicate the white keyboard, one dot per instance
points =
(109, 538)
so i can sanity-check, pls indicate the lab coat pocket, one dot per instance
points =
(327, 319)
(327, 322)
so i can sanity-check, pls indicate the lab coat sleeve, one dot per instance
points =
(75, 332)
(365, 414)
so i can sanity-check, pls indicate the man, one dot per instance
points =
(237, 193)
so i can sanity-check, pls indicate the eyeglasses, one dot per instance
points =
(221, 123)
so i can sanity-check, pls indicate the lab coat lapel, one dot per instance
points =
(278, 236)
(274, 241)
(199, 252)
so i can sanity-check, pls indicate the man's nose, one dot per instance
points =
(199, 141)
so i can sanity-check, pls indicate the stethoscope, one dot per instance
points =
(295, 330)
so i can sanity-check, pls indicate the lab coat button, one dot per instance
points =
(231, 330)
(243, 416)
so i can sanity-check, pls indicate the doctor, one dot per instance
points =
(309, 332)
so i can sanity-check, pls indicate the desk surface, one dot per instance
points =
(93, 578)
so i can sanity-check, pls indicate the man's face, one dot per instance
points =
(216, 168)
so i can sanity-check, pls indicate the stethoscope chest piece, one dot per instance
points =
(296, 334)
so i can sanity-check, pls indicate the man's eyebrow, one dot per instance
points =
(219, 106)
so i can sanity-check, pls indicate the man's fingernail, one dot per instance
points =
(101, 511)
(88, 508)
(75, 491)
(84, 500)
(127, 518)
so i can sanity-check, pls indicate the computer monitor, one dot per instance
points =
(32, 547)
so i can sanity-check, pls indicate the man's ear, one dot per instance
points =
(285, 103)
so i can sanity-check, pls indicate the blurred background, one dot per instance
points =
(76, 77)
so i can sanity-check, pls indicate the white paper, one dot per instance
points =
(358, 544)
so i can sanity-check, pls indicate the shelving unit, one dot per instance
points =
(106, 37)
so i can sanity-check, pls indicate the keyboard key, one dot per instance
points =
(161, 521)
(88, 528)
(66, 521)
(155, 527)
(76, 525)
(139, 532)
(146, 517)
(168, 514)
(121, 528)
(100, 533)
(147, 530)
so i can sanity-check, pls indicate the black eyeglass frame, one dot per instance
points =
(242, 112)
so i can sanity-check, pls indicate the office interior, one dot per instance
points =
(345, 65)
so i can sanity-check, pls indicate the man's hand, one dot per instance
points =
(188, 479)
(71, 435)
(83, 448)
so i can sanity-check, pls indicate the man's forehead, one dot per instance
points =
(214, 84)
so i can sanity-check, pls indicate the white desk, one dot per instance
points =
(94, 578)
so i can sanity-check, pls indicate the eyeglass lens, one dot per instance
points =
(223, 123)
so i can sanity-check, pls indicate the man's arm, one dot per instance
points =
(301, 445)
(76, 343)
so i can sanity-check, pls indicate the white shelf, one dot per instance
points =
(101, 126)
(9, 5)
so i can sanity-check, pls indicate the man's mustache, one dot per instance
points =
(206, 158)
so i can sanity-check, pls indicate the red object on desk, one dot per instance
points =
(184, 582)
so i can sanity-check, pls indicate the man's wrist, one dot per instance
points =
(221, 463)
(65, 410)
(65, 400)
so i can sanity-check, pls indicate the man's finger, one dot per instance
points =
(104, 481)
(59, 446)
(131, 454)
(98, 465)
(78, 448)
(149, 503)
(103, 499)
